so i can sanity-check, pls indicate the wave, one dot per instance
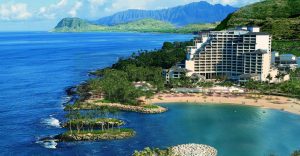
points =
(53, 122)
(66, 99)
(50, 144)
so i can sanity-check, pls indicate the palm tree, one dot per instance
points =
(278, 77)
(69, 116)
(102, 125)
(269, 78)
(282, 75)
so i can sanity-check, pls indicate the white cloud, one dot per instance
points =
(121, 5)
(61, 3)
(75, 8)
(51, 12)
(95, 6)
(232, 2)
(89, 9)
(95, 3)
(16, 11)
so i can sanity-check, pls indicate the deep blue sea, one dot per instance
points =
(36, 67)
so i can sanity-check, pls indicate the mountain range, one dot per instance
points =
(188, 18)
(197, 12)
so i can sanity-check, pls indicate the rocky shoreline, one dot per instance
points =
(146, 109)
(92, 136)
(96, 135)
(194, 150)
(179, 150)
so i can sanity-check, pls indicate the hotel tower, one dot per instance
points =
(240, 53)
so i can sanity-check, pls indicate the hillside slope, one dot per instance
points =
(197, 12)
(281, 18)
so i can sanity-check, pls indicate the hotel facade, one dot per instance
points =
(236, 54)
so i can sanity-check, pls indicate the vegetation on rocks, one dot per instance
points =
(153, 152)
(93, 125)
(110, 134)
(179, 150)
(90, 120)
(90, 124)
(94, 105)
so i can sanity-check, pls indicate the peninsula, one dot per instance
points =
(142, 25)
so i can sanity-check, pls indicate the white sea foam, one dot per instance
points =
(66, 99)
(52, 122)
(51, 144)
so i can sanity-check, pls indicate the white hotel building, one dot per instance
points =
(242, 53)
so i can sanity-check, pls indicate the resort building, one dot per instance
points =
(174, 72)
(284, 61)
(241, 53)
(275, 58)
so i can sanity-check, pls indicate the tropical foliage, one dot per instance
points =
(289, 88)
(109, 134)
(278, 17)
(287, 47)
(153, 152)
(90, 120)
(116, 83)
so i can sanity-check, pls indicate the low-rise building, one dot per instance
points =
(175, 72)
(286, 62)
(275, 58)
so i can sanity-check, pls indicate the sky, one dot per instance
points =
(41, 15)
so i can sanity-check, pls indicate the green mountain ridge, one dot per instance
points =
(281, 18)
(144, 25)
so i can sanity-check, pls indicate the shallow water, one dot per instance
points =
(37, 67)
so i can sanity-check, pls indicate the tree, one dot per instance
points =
(70, 116)
(280, 76)
(91, 118)
(74, 116)
(269, 78)
(167, 46)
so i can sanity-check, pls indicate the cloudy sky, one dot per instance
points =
(18, 15)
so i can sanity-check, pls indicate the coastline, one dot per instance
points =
(264, 101)
(145, 109)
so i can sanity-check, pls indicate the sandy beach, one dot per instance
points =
(265, 101)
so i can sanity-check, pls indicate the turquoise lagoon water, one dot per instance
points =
(36, 67)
